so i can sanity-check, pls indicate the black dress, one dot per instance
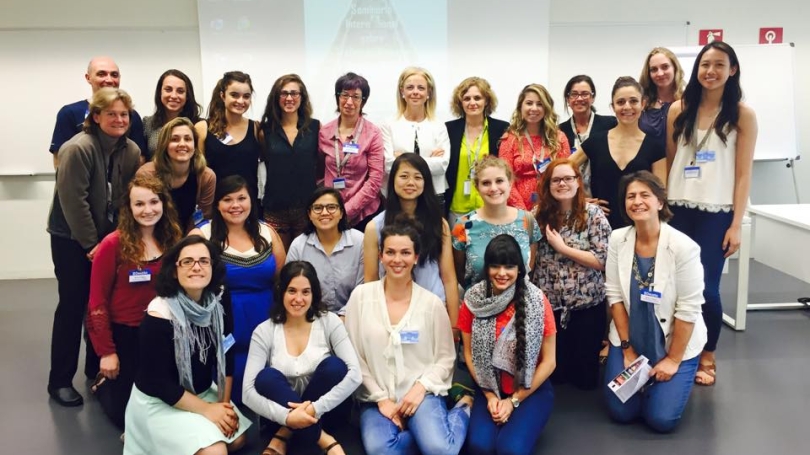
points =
(291, 169)
(605, 173)
(241, 158)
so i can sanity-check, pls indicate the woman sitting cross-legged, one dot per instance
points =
(402, 335)
(292, 376)
(175, 407)
(655, 291)
(509, 336)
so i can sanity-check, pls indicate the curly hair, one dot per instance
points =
(167, 230)
(548, 127)
(216, 107)
(486, 91)
(503, 249)
(549, 212)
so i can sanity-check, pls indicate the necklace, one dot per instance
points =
(643, 283)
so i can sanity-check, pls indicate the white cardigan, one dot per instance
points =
(678, 277)
(389, 366)
(398, 134)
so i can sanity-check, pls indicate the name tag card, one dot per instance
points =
(227, 342)
(339, 184)
(705, 156)
(227, 139)
(542, 165)
(649, 296)
(409, 336)
(467, 187)
(691, 172)
(140, 276)
(351, 147)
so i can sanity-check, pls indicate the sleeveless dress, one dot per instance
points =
(249, 278)
(241, 158)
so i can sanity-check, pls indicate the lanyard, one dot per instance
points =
(341, 163)
(580, 138)
(704, 140)
(535, 158)
(472, 159)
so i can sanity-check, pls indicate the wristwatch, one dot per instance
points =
(515, 402)
(625, 344)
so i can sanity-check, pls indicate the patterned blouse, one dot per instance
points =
(568, 285)
(472, 234)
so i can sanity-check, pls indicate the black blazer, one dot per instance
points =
(600, 123)
(455, 130)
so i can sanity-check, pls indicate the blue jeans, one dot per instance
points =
(707, 229)
(517, 436)
(273, 385)
(432, 430)
(661, 406)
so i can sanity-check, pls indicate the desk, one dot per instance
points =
(779, 237)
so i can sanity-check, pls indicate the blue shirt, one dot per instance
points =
(646, 335)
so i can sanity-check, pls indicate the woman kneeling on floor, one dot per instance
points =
(292, 376)
(175, 408)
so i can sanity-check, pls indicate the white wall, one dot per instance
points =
(24, 201)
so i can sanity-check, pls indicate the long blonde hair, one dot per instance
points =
(548, 129)
(163, 164)
(648, 88)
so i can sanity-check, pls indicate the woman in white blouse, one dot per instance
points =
(402, 336)
(415, 128)
(301, 366)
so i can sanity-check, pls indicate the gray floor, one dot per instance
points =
(760, 404)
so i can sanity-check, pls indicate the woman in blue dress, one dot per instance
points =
(251, 251)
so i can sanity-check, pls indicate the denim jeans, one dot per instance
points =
(661, 406)
(432, 430)
(707, 229)
(517, 436)
(273, 385)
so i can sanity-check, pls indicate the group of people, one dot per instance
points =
(285, 266)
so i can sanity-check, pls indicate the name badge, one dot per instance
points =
(691, 172)
(467, 187)
(649, 296)
(409, 336)
(351, 147)
(339, 184)
(228, 138)
(542, 165)
(197, 217)
(227, 342)
(140, 276)
(705, 156)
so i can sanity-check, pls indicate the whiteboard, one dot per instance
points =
(42, 70)
(767, 78)
(604, 51)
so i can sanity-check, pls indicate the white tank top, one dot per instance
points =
(713, 190)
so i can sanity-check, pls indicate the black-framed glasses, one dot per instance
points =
(188, 263)
(583, 95)
(294, 94)
(330, 208)
(568, 179)
(356, 98)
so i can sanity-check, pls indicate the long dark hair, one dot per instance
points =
(219, 230)
(428, 208)
(272, 111)
(191, 110)
(216, 107)
(278, 313)
(729, 104)
(503, 249)
(167, 285)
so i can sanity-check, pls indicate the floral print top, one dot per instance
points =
(472, 234)
(569, 285)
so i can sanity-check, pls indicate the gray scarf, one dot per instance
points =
(489, 355)
(197, 326)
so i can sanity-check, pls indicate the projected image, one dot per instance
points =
(376, 38)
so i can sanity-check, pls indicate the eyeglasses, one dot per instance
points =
(330, 208)
(568, 179)
(345, 96)
(188, 263)
(583, 95)
(293, 94)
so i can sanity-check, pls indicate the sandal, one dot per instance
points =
(271, 451)
(710, 372)
(330, 447)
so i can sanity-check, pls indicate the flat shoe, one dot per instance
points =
(66, 396)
